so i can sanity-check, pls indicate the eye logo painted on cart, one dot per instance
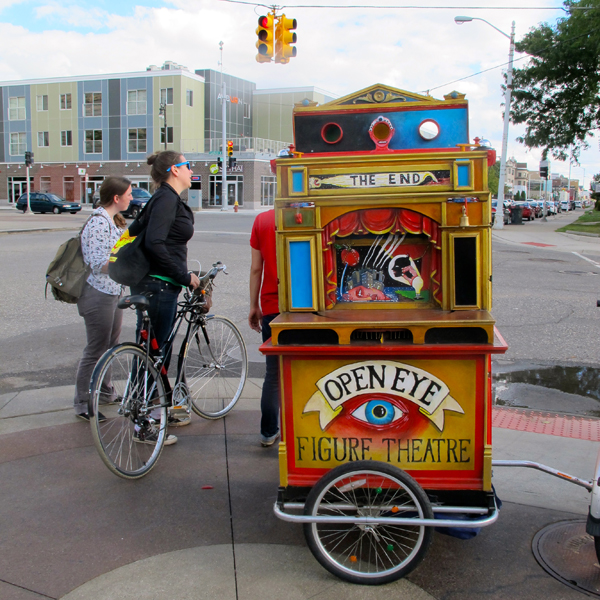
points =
(400, 380)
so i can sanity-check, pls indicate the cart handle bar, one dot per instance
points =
(588, 485)
(483, 522)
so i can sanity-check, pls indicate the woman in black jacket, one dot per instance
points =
(170, 225)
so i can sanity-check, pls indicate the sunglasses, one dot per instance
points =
(186, 163)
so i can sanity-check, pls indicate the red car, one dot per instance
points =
(528, 211)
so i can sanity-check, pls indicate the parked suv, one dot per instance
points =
(46, 203)
(139, 200)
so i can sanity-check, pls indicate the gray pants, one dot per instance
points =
(102, 326)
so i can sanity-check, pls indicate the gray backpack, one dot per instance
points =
(67, 272)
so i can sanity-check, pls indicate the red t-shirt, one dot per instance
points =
(263, 240)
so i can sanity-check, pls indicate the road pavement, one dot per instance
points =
(201, 524)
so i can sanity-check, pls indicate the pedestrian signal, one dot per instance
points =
(284, 36)
(265, 38)
(544, 169)
(230, 148)
(28, 158)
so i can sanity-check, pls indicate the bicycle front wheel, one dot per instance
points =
(128, 411)
(214, 367)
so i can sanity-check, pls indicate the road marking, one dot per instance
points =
(223, 232)
(588, 259)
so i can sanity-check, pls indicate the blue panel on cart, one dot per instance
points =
(301, 275)
(298, 182)
(464, 179)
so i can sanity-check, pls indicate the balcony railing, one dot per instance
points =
(250, 145)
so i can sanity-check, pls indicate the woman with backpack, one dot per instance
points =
(98, 301)
(169, 226)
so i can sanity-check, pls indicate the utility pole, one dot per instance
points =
(224, 201)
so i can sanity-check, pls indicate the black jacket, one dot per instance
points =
(170, 225)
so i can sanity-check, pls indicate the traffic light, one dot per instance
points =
(544, 169)
(232, 162)
(284, 36)
(28, 159)
(230, 148)
(265, 38)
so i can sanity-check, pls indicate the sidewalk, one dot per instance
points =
(73, 530)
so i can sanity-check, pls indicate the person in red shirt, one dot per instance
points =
(264, 283)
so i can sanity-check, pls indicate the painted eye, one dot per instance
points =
(377, 412)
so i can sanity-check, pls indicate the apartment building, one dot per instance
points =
(83, 129)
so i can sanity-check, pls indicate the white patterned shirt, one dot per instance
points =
(97, 240)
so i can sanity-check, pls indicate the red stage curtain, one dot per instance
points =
(379, 221)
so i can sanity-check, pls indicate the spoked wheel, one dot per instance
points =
(129, 392)
(363, 553)
(214, 371)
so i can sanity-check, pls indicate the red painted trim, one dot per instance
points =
(429, 121)
(379, 109)
(433, 350)
(327, 125)
(388, 151)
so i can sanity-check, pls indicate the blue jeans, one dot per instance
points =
(269, 400)
(162, 310)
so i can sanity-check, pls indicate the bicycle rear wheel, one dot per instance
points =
(128, 390)
(214, 372)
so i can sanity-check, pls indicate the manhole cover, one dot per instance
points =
(547, 260)
(567, 552)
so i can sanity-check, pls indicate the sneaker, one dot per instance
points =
(179, 421)
(151, 438)
(265, 442)
(86, 417)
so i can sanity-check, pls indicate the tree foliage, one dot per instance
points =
(557, 95)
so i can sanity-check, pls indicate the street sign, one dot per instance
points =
(214, 169)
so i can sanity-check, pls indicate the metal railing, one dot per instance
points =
(250, 145)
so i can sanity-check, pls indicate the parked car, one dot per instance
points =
(578, 204)
(527, 210)
(506, 212)
(565, 205)
(139, 200)
(42, 202)
(537, 208)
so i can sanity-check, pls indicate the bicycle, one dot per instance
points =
(131, 387)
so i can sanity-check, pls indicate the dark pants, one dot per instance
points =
(162, 310)
(269, 400)
(102, 327)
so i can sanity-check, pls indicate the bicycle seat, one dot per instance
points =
(139, 301)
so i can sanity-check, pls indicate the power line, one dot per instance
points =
(409, 7)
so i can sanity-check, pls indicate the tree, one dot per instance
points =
(493, 180)
(557, 95)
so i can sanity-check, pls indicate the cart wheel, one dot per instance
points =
(368, 554)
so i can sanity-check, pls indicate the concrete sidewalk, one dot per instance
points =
(200, 525)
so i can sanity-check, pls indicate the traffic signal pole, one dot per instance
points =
(223, 141)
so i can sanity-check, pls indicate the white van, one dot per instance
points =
(564, 205)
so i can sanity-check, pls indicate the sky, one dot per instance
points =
(340, 50)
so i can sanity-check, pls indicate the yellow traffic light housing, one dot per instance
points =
(265, 35)
(229, 148)
(284, 36)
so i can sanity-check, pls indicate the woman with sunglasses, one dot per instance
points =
(170, 225)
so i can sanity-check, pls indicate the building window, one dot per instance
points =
(93, 141)
(268, 190)
(166, 96)
(137, 140)
(169, 135)
(45, 184)
(136, 102)
(16, 108)
(18, 144)
(43, 139)
(189, 97)
(92, 106)
(246, 110)
(65, 102)
(42, 102)
(66, 138)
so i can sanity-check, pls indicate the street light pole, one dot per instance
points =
(499, 223)
(162, 113)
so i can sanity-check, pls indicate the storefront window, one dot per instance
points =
(268, 190)
(235, 190)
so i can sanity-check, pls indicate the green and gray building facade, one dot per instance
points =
(83, 129)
